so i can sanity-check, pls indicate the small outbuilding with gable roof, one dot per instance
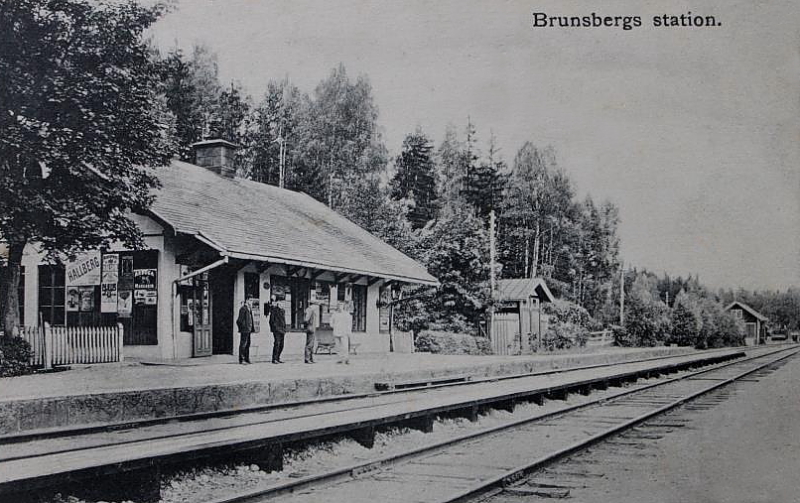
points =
(754, 321)
(518, 315)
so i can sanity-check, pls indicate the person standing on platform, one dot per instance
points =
(311, 322)
(342, 323)
(245, 324)
(277, 325)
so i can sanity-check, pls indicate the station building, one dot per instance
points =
(212, 241)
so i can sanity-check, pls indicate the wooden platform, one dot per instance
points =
(261, 436)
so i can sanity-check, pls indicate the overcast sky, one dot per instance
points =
(693, 132)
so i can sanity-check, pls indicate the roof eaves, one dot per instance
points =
(748, 309)
(546, 290)
(302, 263)
(160, 219)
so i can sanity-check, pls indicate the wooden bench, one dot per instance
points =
(327, 342)
(421, 383)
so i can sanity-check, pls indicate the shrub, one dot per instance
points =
(563, 335)
(564, 311)
(15, 356)
(450, 343)
(568, 326)
(622, 337)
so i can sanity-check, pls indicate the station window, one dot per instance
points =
(52, 294)
(357, 295)
(293, 293)
(359, 308)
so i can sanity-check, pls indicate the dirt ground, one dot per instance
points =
(744, 449)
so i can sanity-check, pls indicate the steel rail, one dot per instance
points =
(369, 466)
(63, 432)
(516, 474)
(390, 420)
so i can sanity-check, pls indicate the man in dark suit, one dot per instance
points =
(277, 325)
(245, 324)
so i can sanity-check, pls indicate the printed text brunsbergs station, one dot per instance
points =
(594, 20)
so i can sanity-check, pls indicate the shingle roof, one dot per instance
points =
(246, 219)
(747, 308)
(522, 288)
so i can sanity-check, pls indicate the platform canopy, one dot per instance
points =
(243, 219)
(511, 290)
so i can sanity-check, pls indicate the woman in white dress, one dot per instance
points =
(342, 324)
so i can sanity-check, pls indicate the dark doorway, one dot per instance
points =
(222, 286)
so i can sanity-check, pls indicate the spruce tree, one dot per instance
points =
(415, 178)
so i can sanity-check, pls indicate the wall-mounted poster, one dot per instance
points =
(108, 298)
(139, 296)
(108, 283)
(125, 272)
(150, 297)
(124, 303)
(73, 299)
(110, 272)
(84, 270)
(87, 298)
(145, 279)
(80, 299)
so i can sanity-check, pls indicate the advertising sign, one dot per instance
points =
(139, 296)
(126, 272)
(124, 303)
(73, 299)
(108, 298)
(84, 270)
(108, 283)
(87, 298)
(110, 272)
(150, 297)
(144, 279)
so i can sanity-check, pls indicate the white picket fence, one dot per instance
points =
(68, 345)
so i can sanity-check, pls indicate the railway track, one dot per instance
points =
(274, 411)
(497, 461)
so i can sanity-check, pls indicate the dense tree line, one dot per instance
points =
(95, 114)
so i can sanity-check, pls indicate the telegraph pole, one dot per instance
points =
(621, 295)
(492, 278)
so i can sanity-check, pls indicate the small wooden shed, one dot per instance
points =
(517, 315)
(754, 321)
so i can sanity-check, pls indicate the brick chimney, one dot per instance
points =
(216, 155)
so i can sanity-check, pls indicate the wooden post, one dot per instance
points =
(120, 331)
(48, 346)
(364, 436)
(421, 423)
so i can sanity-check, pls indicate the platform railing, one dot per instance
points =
(600, 338)
(68, 345)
